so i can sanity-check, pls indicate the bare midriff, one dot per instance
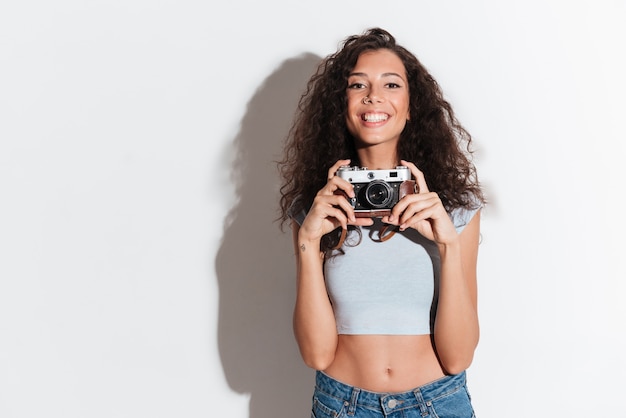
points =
(385, 363)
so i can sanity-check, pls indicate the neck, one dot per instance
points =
(378, 159)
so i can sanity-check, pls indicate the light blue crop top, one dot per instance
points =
(386, 288)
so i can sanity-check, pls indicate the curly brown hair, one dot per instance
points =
(433, 139)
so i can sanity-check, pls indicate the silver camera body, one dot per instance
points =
(377, 191)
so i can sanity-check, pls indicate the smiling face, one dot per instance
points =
(378, 100)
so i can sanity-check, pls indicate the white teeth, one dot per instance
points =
(375, 117)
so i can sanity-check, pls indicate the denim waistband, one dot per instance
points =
(421, 396)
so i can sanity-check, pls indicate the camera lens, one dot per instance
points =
(378, 194)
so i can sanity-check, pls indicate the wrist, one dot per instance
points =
(307, 244)
(303, 238)
(450, 246)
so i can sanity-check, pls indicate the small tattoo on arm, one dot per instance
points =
(302, 247)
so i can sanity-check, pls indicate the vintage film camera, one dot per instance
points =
(377, 191)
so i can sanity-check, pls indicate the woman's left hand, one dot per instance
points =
(423, 212)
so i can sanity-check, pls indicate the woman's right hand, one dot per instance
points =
(331, 209)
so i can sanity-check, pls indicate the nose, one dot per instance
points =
(376, 95)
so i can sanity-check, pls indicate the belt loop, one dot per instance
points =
(420, 402)
(353, 399)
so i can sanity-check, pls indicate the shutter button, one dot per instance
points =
(392, 403)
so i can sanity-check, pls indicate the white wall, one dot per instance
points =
(140, 272)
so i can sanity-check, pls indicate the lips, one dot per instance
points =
(374, 117)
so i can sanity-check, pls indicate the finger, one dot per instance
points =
(336, 202)
(402, 207)
(424, 205)
(391, 219)
(333, 170)
(334, 214)
(422, 187)
(414, 219)
(337, 185)
(410, 205)
(339, 216)
(429, 209)
(343, 204)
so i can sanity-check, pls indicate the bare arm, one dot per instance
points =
(314, 321)
(456, 325)
(456, 330)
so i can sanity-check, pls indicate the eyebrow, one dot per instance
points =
(383, 75)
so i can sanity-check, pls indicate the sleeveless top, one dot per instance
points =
(386, 288)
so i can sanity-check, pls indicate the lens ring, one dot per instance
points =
(378, 194)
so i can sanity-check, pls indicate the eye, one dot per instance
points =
(393, 85)
(356, 86)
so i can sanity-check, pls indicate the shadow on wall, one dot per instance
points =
(255, 265)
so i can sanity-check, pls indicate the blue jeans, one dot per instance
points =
(444, 398)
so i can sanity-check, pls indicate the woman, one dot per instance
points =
(386, 300)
